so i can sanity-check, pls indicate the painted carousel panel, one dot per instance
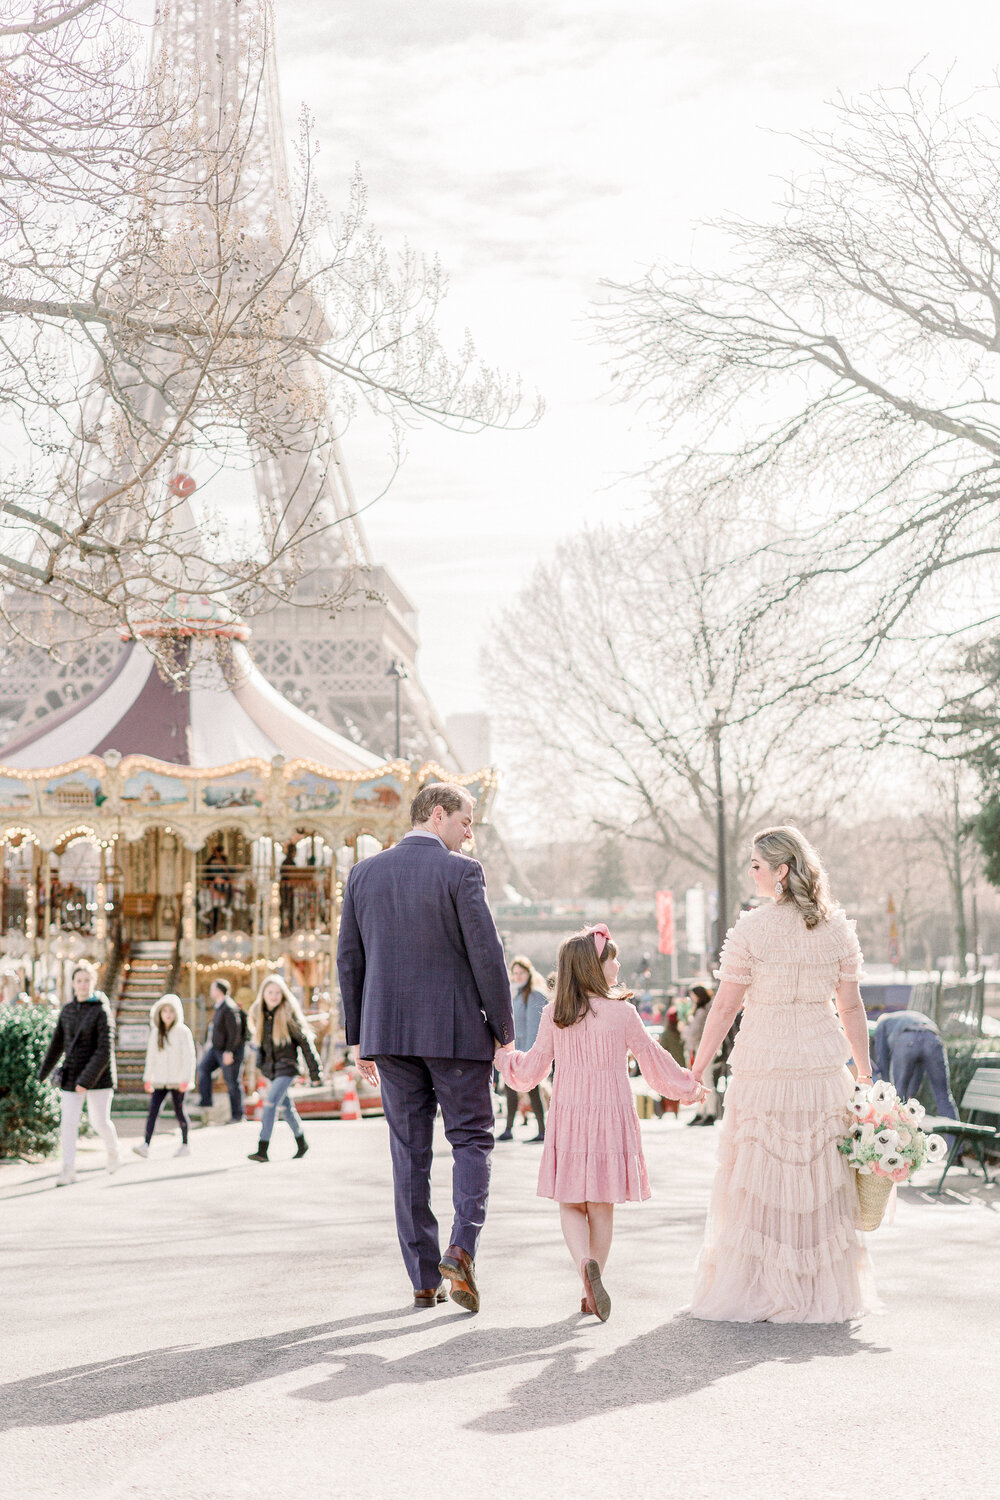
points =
(308, 792)
(383, 794)
(17, 795)
(152, 789)
(75, 791)
(239, 790)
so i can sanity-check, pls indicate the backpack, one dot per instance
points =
(244, 1024)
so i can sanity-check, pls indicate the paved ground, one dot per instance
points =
(211, 1328)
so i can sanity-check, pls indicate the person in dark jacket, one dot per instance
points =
(527, 1001)
(224, 1049)
(280, 1031)
(671, 1041)
(83, 1038)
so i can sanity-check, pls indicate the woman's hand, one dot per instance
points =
(79, 1089)
(497, 1048)
(148, 1087)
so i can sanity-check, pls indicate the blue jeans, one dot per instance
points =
(231, 1072)
(277, 1098)
(917, 1055)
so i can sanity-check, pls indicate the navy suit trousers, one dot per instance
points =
(412, 1089)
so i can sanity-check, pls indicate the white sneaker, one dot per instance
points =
(142, 1149)
(183, 1150)
(114, 1162)
(65, 1179)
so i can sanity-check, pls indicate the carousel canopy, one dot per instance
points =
(219, 717)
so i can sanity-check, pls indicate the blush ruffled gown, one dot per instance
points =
(781, 1242)
(593, 1147)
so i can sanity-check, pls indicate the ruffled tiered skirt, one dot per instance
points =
(781, 1241)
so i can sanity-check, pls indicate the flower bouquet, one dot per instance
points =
(885, 1144)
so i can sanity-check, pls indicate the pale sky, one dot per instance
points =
(538, 148)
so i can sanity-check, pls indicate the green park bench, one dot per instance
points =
(983, 1096)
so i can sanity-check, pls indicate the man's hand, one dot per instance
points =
(368, 1070)
(227, 1058)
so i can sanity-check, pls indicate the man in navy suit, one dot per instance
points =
(426, 997)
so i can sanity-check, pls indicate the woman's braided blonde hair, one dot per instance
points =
(805, 885)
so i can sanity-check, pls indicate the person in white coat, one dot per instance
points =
(170, 1068)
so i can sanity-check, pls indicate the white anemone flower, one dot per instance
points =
(891, 1161)
(912, 1111)
(904, 1137)
(883, 1095)
(867, 1136)
(886, 1140)
(937, 1148)
(859, 1105)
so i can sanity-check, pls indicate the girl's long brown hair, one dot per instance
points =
(287, 1009)
(580, 975)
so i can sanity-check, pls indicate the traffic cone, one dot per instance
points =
(350, 1105)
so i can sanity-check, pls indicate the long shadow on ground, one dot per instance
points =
(679, 1357)
(160, 1377)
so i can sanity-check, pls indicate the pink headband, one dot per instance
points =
(600, 934)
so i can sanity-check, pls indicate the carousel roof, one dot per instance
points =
(219, 717)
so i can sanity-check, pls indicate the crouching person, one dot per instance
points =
(170, 1065)
(280, 1031)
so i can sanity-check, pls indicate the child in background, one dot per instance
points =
(170, 1064)
(592, 1157)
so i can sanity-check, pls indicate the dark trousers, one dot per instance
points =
(535, 1098)
(155, 1101)
(917, 1055)
(231, 1072)
(412, 1089)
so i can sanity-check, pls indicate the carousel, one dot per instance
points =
(178, 825)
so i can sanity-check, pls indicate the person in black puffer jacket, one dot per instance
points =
(83, 1038)
(279, 1031)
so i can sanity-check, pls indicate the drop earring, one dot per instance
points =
(778, 889)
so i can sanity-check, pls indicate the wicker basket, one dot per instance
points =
(873, 1195)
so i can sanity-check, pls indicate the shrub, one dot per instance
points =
(29, 1110)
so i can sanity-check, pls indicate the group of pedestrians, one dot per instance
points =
(84, 1040)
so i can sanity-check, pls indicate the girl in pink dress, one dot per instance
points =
(592, 1157)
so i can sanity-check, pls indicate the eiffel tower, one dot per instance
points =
(355, 672)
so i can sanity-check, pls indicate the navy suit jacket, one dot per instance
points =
(421, 966)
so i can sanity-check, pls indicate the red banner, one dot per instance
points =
(665, 920)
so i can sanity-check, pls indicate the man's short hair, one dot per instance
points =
(223, 985)
(444, 794)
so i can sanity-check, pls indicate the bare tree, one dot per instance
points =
(838, 374)
(169, 301)
(622, 661)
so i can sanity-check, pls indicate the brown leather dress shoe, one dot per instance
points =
(459, 1270)
(429, 1296)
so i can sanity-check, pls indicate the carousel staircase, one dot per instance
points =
(147, 977)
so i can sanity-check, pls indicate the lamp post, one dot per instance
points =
(721, 900)
(397, 672)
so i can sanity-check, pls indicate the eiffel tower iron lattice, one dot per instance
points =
(218, 60)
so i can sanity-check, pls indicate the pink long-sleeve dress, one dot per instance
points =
(593, 1147)
(781, 1243)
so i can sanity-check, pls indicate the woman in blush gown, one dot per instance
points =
(781, 1241)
